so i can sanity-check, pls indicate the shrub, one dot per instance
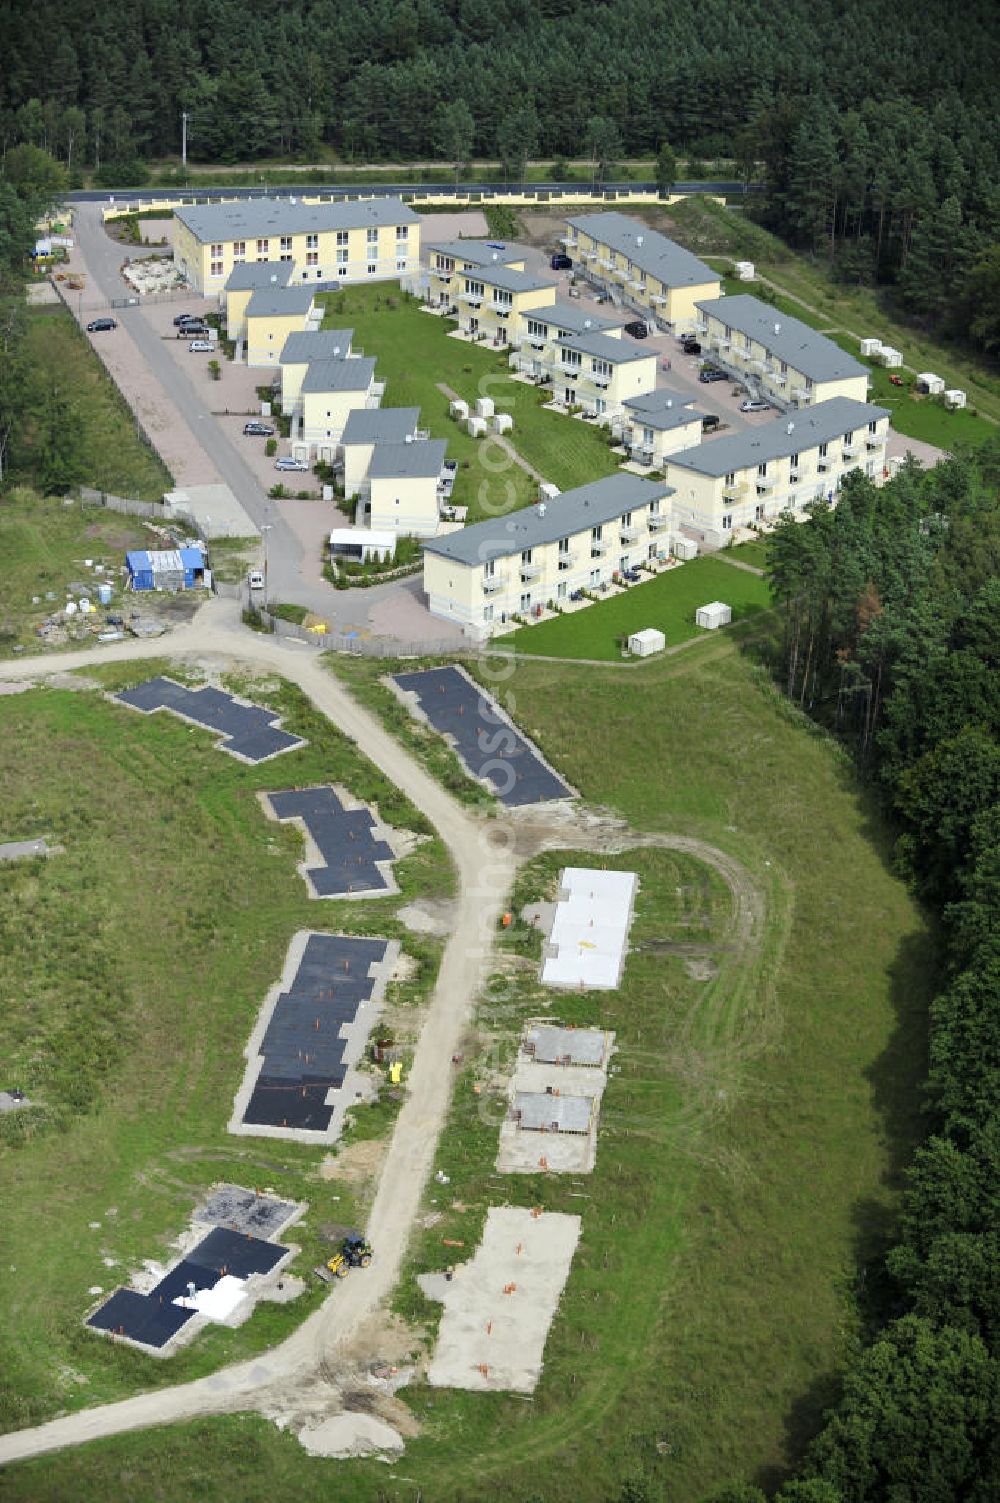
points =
(271, 447)
(277, 493)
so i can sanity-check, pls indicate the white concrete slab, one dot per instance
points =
(589, 934)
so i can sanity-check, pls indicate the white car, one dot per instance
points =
(754, 404)
(299, 465)
(199, 347)
(255, 579)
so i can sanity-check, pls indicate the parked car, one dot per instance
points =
(255, 579)
(710, 422)
(254, 429)
(691, 347)
(711, 373)
(637, 329)
(187, 318)
(100, 325)
(192, 326)
(561, 262)
(200, 347)
(298, 465)
(754, 404)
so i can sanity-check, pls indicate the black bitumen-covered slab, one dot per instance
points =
(248, 731)
(491, 748)
(245, 1210)
(303, 1047)
(344, 838)
(154, 1318)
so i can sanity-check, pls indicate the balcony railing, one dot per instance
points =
(764, 482)
(472, 298)
(793, 477)
(628, 534)
(503, 309)
(656, 522)
(570, 370)
(598, 547)
(566, 560)
(874, 441)
(530, 571)
(494, 583)
(801, 395)
(850, 451)
(736, 491)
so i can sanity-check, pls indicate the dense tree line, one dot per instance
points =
(891, 607)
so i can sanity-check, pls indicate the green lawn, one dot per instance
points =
(669, 602)
(752, 1140)
(134, 967)
(415, 355)
(917, 416)
(112, 456)
(754, 553)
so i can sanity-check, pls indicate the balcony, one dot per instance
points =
(598, 547)
(793, 477)
(735, 492)
(530, 571)
(601, 381)
(641, 455)
(850, 451)
(494, 583)
(874, 441)
(569, 241)
(472, 298)
(764, 482)
(536, 344)
(628, 534)
(503, 310)
(566, 560)
(801, 395)
(657, 297)
(720, 342)
(699, 326)
(824, 466)
(566, 369)
(656, 522)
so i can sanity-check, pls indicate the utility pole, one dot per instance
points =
(265, 530)
(185, 117)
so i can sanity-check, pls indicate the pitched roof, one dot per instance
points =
(662, 409)
(787, 338)
(259, 218)
(339, 375)
(587, 506)
(479, 252)
(606, 347)
(249, 275)
(786, 435)
(421, 458)
(306, 345)
(652, 252)
(571, 318)
(280, 302)
(380, 425)
(510, 281)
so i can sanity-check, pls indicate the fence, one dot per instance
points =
(369, 647)
(156, 511)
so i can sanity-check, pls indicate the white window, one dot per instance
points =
(372, 268)
(401, 265)
(312, 242)
(312, 258)
(727, 522)
(402, 232)
(474, 289)
(762, 469)
(341, 237)
(217, 251)
(288, 257)
(793, 463)
(373, 237)
(286, 242)
(216, 269)
(505, 299)
(823, 450)
(341, 258)
(572, 358)
(535, 329)
(487, 613)
(561, 590)
(526, 602)
(526, 556)
(239, 249)
(730, 479)
(263, 246)
(342, 271)
(873, 426)
(848, 438)
(489, 568)
(601, 367)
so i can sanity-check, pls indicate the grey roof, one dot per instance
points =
(652, 252)
(419, 459)
(259, 218)
(269, 302)
(542, 1111)
(249, 275)
(662, 409)
(380, 425)
(787, 338)
(480, 252)
(510, 281)
(587, 506)
(306, 345)
(551, 1044)
(339, 375)
(570, 318)
(606, 347)
(812, 426)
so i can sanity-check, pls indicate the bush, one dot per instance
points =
(278, 493)
(271, 447)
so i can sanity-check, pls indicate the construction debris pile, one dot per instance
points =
(155, 274)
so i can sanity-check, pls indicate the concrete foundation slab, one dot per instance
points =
(214, 510)
(554, 1111)
(498, 1307)
(589, 934)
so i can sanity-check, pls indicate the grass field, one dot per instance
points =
(669, 602)
(112, 456)
(751, 1147)
(134, 967)
(43, 543)
(415, 355)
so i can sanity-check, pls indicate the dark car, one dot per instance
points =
(100, 325)
(561, 262)
(710, 422)
(711, 373)
(192, 329)
(186, 318)
(691, 347)
(257, 430)
(637, 329)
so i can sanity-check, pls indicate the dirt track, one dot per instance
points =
(297, 1380)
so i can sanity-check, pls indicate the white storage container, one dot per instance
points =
(890, 357)
(745, 271)
(870, 348)
(476, 427)
(684, 548)
(933, 385)
(713, 615)
(484, 407)
(503, 422)
(547, 492)
(644, 643)
(459, 409)
(954, 398)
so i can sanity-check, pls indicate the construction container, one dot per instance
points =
(896, 463)
(684, 548)
(713, 615)
(954, 399)
(104, 594)
(459, 409)
(547, 492)
(890, 357)
(745, 271)
(871, 348)
(503, 423)
(929, 384)
(642, 644)
(484, 407)
(476, 427)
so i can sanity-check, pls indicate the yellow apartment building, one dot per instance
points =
(274, 313)
(598, 372)
(656, 424)
(641, 269)
(400, 494)
(331, 391)
(241, 284)
(301, 350)
(448, 259)
(363, 240)
(751, 477)
(778, 357)
(480, 576)
(533, 346)
(367, 427)
(493, 300)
